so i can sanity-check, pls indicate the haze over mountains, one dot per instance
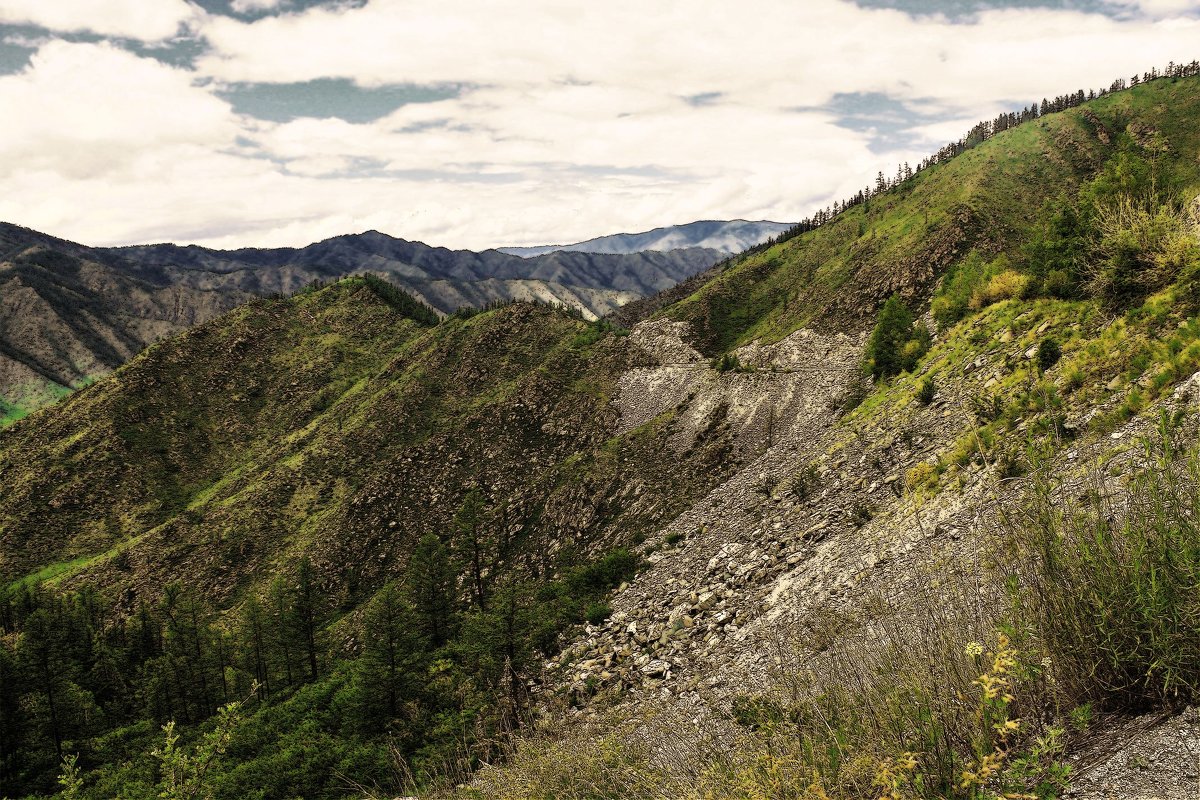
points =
(70, 313)
(729, 237)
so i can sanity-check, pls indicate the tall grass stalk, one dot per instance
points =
(1110, 578)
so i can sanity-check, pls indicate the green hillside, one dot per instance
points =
(334, 429)
(365, 528)
(992, 199)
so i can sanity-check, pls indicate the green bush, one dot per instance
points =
(1057, 249)
(1112, 586)
(968, 286)
(1048, 354)
(1141, 248)
(926, 391)
(896, 345)
(1007, 284)
(597, 613)
(852, 396)
(728, 362)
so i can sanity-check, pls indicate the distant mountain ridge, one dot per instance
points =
(729, 237)
(411, 264)
(68, 316)
(70, 313)
(597, 283)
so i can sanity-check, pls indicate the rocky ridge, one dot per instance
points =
(817, 518)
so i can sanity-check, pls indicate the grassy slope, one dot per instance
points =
(902, 241)
(330, 424)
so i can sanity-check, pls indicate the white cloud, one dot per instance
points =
(90, 110)
(244, 6)
(148, 20)
(765, 51)
(1160, 8)
(572, 123)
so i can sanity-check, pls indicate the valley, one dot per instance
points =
(897, 503)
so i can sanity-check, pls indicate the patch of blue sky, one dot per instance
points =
(227, 7)
(15, 51)
(19, 42)
(965, 10)
(703, 99)
(325, 98)
(889, 123)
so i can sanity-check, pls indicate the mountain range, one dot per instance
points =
(727, 237)
(71, 313)
(902, 505)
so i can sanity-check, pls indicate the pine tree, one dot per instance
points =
(305, 613)
(391, 650)
(60, 707)
(498, 647)
(471, 538)
(12, 718)
(255, 646)
(895, 344)
(431, 589)
(281, 641)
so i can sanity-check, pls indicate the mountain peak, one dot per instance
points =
(725, 236)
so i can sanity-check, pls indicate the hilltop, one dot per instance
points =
(694, 541)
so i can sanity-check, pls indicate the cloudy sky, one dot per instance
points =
(474, 123)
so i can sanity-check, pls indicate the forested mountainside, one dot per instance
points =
(70, 314)
(729, 237)
(901, 506)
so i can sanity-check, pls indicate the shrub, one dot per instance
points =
(921, 477)
(1111, 587)
(597, 613)
(728, 362)
(1141, 247)
(1010, 464)
(804, 482)
(861, 513)
(856, 391)
(1060, 284)
(595, 331)
(607, 573)
(950, 302)
(895, 344)
(1007, 285)
(1048, 354)
(926, 391)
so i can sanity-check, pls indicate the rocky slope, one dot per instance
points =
(787, 513)
(67, 317)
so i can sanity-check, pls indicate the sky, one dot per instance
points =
(481, 123)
